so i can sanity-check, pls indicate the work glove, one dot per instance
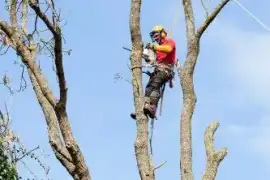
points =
(150, 46)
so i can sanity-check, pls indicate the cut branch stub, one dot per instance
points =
(213, 157)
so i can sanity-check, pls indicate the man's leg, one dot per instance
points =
(153, 93)
(148, 90)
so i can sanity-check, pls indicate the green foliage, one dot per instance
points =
(7, 168)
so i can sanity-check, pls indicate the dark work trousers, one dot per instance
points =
(153, 89)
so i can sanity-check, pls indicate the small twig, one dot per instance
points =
(117, 77)
(29, 170)
(204, 7)
(5, 51)
(29, 152)
(35, 26)
(22, 87)
(6, 83)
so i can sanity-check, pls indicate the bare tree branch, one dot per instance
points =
(5, 28)
(5, 42)
(56, 31)
(211, 17)
(144, 161)
(24, 16)
(13, 13)
(213, 158)
(35, 6)
(58, 146)
(54, 137)
(70, 142)
(25, 53)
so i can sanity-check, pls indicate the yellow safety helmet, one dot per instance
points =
(158, 30)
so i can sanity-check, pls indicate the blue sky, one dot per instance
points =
(231, 81)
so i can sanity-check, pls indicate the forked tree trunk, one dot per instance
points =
(189, 96)
(61, 139)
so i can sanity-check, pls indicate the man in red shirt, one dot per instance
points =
(166, 58)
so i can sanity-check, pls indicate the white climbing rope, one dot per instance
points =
(252, 15)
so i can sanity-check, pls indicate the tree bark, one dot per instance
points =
(186, 80)
(144, 161)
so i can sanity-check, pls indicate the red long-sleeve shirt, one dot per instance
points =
(167, 58)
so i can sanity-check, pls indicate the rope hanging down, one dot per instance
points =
(174, 22)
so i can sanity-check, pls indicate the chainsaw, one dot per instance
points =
(149, 55)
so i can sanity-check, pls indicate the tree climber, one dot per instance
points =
(165, 59)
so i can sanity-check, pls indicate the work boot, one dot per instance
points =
(133, 116)
(150, 110)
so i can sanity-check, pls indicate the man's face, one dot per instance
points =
(156, 37)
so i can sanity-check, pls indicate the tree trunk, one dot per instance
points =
(144, 161)
(189, 102)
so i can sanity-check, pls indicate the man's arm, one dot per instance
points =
(166, 47)
(163, 48)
